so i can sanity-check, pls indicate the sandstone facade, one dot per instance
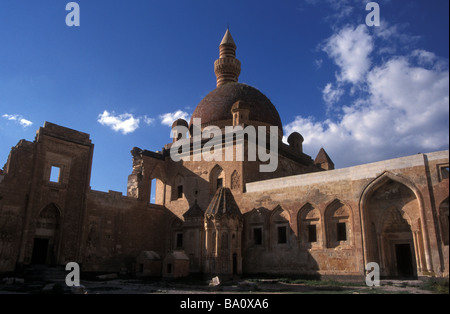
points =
(224, 217)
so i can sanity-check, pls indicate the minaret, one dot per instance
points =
(227, 67)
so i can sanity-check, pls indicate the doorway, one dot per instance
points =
(235, 271)
(40, 251)
(403, 254)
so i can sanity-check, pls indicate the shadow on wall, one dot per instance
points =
(272, 247)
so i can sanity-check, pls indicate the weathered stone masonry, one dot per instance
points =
(226, 217)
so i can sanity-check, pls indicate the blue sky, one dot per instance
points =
(363, 93)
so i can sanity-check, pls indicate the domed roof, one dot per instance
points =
(295, 137)
(180, 122)
(216, 106)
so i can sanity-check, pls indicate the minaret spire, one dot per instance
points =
(227, 67)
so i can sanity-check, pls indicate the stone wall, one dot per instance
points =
(316, 222)
(119, 228)
(419, 175)
(43, 197)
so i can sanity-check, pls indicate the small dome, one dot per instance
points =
(180, 122)
(295, 138)
(217, 105)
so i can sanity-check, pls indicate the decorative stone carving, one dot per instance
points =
(235, 180)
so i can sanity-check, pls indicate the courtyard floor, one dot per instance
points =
(241, 286)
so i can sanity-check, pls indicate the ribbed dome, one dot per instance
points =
(216, 106)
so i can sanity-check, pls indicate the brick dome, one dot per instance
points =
(216, 106)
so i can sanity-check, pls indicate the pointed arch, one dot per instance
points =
(381, 180)
(420, 241)
(256, 226)
(157, 172)
(279, 214)
(338, 224)
(48, 221)
(280, 226)
(157, 191)
(47, 235)
(216, 178)
(157, 185)
(178, 187)
(257, 215)
(51, 209)
(309, 224)
(308, 211)
(235, 180)
(176, 233)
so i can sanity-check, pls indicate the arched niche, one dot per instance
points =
(46, 238)
(216, 178)
(339, 225)
(280, 229)
(391, 210)
(309, 226)
(178, 187)
(256, 227)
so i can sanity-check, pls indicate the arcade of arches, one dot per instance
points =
(224, 217)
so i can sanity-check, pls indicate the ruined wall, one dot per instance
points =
(43, 194)
(14, 194)
(48, 214)
(318, 223)
(119, 228)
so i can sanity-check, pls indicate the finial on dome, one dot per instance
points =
(227, 68)
(228, 39)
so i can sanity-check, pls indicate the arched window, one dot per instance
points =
(256, 227)
(177, 234)
(280, 227)
(178, 188)
(157, 191)
(216, 178)
(309, 226)
(338, 224)
(153, 191)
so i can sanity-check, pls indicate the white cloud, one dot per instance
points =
(148, 120)
(10, 117)
(125, 123)
(169, 118)
(350, 50)
(18, 119)
(426, 58)
(332, 95)
(25, 122)
(417, 99)
(401, 108)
